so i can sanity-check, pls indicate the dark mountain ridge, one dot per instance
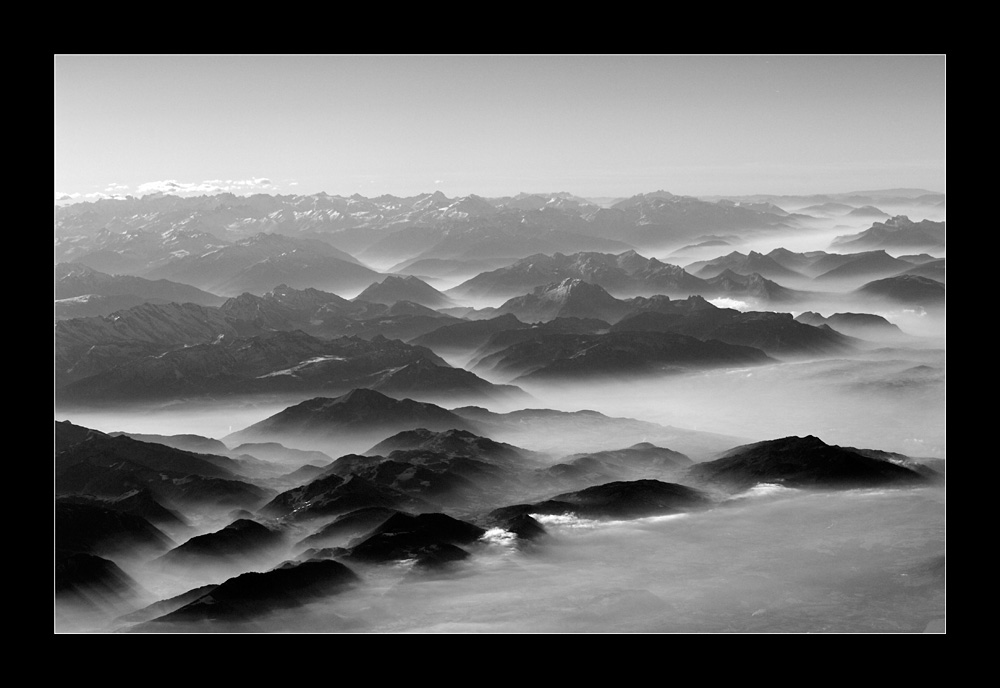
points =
(802, 462)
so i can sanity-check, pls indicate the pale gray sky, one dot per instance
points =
(498, 125)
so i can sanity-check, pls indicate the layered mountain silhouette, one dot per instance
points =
(451, 443)
(906, 290)
(862, 325)
(88, 583)
(558, 432)
(373, 476)
(173, 234)
(503, 338)
(282, 362)
(363, 411)
(802, 462)
(407, 288)
(574, 357)
(258, 263)
(76, 280)
(622, 499)
(853, 268)
(744, 264)
(777, 334)
(571, 298)
(331, 494)
(96, 465)
(423, 537)
(241, 540)
(897, 233)
(627, 273)
(348, 526)
(868, 211)
(92, 529)
(255, 594)
(467, 335)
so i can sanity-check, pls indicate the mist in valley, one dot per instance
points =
(487, 372)
(773, 560)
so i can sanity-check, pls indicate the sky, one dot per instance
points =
(596, 126)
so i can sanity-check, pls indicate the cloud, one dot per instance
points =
(178, 188)
(724, 302)
(94, 196)
(211, 186)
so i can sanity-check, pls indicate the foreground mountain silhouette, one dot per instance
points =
(92, 583)
(241, 539)
(254, 594)
(804, 462)
(404, 536)
(93, 529)
(623, 499)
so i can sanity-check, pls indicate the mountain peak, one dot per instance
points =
(363, 395)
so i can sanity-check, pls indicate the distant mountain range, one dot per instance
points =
(897, 233)
(627, 274)
(575, 298)
(862, 325)
(215, 242)
(852, 199)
